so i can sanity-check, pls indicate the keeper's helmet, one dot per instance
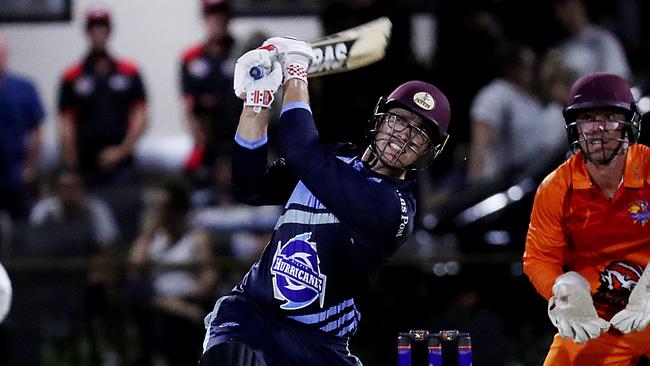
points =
(426, 101)
(601, 90)
(98, 15)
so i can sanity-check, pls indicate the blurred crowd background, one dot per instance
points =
(117, 226)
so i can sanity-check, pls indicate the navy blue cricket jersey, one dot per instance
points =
(341, 222)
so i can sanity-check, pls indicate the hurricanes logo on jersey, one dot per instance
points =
(639, 212)
(296, 273)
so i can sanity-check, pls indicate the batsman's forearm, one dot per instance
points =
(253, 126)
(295, 91)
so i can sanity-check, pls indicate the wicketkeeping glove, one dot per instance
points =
(5, 293)
(258, 93)
(295, 56)
(636, 314)
(572, 310)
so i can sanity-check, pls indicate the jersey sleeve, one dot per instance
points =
(377, 211)
(67, 100)
(187, 85)
(187, 82)
(139, 92)
(257, 183)
(546, 241)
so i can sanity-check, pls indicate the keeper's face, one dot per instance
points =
(401, 138)
(601, 131)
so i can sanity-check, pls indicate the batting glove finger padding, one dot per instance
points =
(263, 57)
(262, 91)
(636, 314)
(571, 309)
(295, 56)
(258, 93)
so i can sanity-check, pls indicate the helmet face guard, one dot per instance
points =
(423, 100)
(383, 128)
(611, 93)
(625, 132)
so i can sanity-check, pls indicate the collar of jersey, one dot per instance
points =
(633, 174)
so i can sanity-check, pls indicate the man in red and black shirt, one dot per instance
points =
(211, 110)
(102, 109)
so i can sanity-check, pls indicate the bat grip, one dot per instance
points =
(257, 72)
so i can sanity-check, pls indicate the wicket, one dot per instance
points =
(445, 348)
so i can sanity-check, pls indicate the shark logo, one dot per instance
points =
(296, 274)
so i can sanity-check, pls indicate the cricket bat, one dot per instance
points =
(347, 50)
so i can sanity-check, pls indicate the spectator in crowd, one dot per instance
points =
(90, 230)
(504, 114)
(21, 113)
(467, 29)
(588, 48)
(102, 108)
(180, 293)
(211, 110)
(71, 201)
(555, 81)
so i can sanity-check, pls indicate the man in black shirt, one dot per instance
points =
(211, 110)
(102, 109)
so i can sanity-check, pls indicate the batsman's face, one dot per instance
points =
(401, 138)
(601, 130)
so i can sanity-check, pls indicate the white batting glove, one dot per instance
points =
(572, 310)
(258, 93)
(295, 55)
(636, 314)
(5, 293)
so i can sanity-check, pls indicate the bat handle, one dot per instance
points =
(257, 72)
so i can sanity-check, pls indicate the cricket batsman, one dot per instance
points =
(346, 212)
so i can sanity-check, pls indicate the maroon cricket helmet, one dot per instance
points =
(426, 101)
(602, 90)
(423, 99)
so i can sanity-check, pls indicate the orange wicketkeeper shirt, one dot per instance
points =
(574, 227)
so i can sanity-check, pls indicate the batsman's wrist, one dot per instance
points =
(296, 83)
(295, 71)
